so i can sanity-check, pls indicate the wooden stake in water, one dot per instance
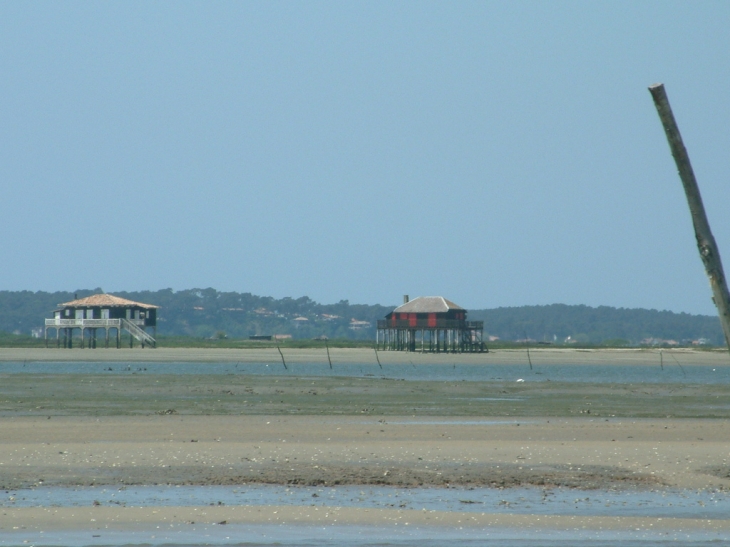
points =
(282, 357)
(527, 347)
(706, 245)
(680, 366)
(328, 352)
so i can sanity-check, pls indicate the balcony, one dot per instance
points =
(90, 323)
(424, 324)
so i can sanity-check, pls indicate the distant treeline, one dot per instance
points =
(208, 313)
(604, 324)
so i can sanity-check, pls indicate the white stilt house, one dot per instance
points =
(103, 311)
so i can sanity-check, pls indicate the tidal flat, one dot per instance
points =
(245, 422)
(144, 393)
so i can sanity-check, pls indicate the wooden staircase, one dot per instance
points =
(139, 333)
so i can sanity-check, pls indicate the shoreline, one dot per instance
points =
(538, 356)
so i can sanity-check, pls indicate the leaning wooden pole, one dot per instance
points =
(706, 245)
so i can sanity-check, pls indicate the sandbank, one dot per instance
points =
(404, 452)
(578, 453)
(538, 355)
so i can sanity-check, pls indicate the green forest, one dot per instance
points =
(599, 325)
(211, 314)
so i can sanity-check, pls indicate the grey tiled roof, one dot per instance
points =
(428, 304)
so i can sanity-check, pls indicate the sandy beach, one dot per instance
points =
(95, 443)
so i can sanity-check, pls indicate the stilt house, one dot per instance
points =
(429, 323)
(103, 311)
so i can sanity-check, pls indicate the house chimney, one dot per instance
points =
(405, 299)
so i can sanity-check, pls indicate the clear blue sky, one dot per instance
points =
(496, 153)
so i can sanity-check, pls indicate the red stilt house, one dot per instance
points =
(431, 322)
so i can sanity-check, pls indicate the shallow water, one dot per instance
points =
(614, 374)
(361, 536)
(702, 504)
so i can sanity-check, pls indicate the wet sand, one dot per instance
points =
(579, 453)
(95, 445)
(538, 355)
(102, 520)
(404, 452)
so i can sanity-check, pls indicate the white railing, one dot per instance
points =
(85, 323)
(90, 323)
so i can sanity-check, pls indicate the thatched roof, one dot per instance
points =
(428, 304)
(105, 301)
